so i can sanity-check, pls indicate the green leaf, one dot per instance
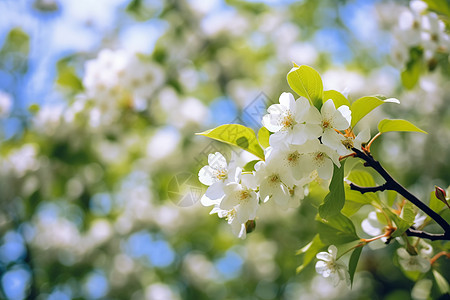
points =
(15, 51)
(310, 251)
(353, 262)
(361, 107)
(335, 200)
(408, 212)
(263, 137)
(306, 82)
(397, 125)
(354, 200)
(436, 204)
(250, 166)
(391, 196)
(337, 230)
(402, 225)
(337, 98)
(441, 282)
(236, 135)
(410, 76)
(365, 179)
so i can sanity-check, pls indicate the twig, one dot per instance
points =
(393, 185)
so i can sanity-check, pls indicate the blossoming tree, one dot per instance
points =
(313, 138)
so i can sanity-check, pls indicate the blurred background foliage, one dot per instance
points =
(99, 102)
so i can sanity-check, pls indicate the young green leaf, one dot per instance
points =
(263, 137)
(250, 166)
(408, 212)
(338, 98)
(353, 262)
(335, 200)
(337, 230)
(397, 125)
(402, 225)
(310, 251)
(306, 82)
(435, 204)
(361, 107)
(236, 135)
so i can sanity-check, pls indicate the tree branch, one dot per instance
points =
(363, 189)
(426, 235)
(393, 185)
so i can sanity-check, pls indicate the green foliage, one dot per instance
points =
(15, 51)
(402, 224)
(338, 98)
(250, 166)
(236, 135)
(310, 251)
(435, 204)
(334, 201)
(442, 283)
(306, 82)
(337, 230)
(263, 137)
(354, 200)
(361, 107)
(353, 262)
(67, 76)
(441, 7)
(387, 125)
(410, 76)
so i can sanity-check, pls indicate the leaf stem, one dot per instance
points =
(371, 141)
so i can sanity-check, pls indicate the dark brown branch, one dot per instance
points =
(393, 185)
(363, 189)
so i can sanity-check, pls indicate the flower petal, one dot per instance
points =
(323, 269)
(215, 191)
(217, 161)
(205, 175)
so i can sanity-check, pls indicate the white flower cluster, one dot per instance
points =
(119, 79)
(305, 143)
(418, 28)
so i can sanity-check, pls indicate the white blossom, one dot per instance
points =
(242, 198)
(272, 180)
(216, 174)
(287, 121)
(331, 119)
(319, 157)
(329, 266)
(413, 262)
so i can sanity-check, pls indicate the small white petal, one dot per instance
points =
(206, 175)
(288, 101)
(328, 109)
(323, 269)
(324, 256)
(215, 191)
(217, 161)
(333, 251)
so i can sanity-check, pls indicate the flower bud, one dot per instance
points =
(250, 225)
(440, 193)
